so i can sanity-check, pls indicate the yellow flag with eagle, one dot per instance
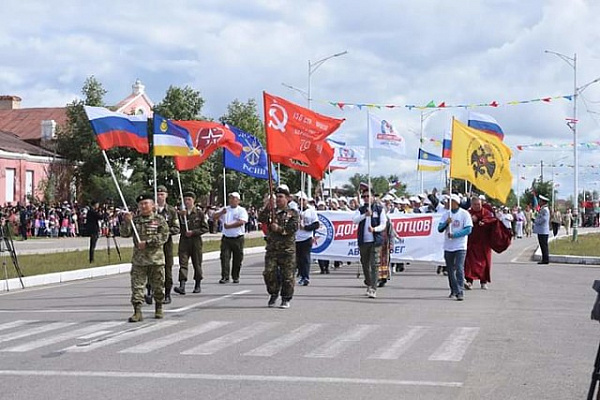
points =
(482, 159)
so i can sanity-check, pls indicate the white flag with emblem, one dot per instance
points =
(383, 135)
(347, 156)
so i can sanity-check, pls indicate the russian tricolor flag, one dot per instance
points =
(113, 129)
(485, 123)
(447, 145)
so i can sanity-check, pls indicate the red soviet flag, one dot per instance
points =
(206, 136)
(296, 136)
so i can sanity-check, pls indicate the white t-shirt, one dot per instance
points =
(238, 213)
(460, 220)
(307, 217)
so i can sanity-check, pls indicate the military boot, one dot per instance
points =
(158, 311)
(167, 296)
(181, 288)
(137, 314)
(197, 288)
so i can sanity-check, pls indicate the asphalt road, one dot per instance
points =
(528, 337)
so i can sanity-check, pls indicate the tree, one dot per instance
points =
(540, 187)
(379, 184)
(181, 104)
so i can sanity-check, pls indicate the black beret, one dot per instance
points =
(144, 196)
(162, 189)
(189, 194)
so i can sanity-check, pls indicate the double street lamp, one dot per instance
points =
(312, 67)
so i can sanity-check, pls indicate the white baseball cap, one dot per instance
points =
(235, 194)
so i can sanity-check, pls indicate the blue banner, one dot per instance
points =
(253, 159)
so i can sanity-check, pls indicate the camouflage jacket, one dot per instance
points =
(169, 213)
(196, 223)
(284, 241)
(154, 230)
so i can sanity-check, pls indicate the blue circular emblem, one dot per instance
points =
(323, 235)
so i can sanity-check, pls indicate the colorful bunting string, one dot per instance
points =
(342, 105)
(534, 146)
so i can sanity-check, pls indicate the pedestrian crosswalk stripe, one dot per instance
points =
(164, 341)
(61, 337)
(336, 346)
(230, 339)
(455, 346)
(15, 324)
(400, 345)
(119, 336)
(34, 331)
(275, 346)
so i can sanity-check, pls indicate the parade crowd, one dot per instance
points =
(471, 226)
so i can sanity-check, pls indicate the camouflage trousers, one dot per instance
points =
(279, 274)
(155, 275)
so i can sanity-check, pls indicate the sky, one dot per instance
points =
(398, 52)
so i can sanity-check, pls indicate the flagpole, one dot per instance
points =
(330, 186)
(182, 203)
(369, 143)
(518, 180)
(155, 186)
(112, 173)
(224, 188)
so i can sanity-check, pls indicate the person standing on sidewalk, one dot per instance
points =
(193, 226)
(457, 225)
(280, 255)
(309, 223)
(541, 226)
(567, 221)
(92, 224)
(169, 213)
(556, 221)
(148, 261)
(233, 220)
(372, 221)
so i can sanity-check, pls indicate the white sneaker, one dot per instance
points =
(484, 286)
(372, 294)
(368, 293)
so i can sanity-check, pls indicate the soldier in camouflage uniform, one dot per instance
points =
(148, 261)
(280, 257)
(169, 213)
(190, 242)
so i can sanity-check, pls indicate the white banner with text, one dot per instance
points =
(416, 237)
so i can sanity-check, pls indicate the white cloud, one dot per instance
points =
(399, 52)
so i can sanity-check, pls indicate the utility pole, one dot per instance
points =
(542, 171)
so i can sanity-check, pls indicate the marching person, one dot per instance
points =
(372, 221)
(233, 220)
(457, 225)
(169, 213)
(309, 222)
(193, 226)
(541, 227)
(148, 261)
(280, 256)
(478, 263)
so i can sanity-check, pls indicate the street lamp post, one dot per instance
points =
(572, 123)
(312, 67)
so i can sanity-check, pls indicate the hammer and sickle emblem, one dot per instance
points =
(274, 121)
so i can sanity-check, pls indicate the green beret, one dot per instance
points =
(144, 196)
(162, 189)
(189, 194)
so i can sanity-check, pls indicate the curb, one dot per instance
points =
(564, 259)
(97, 272)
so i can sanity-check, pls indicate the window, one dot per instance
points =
(10, 185)
(28, 183)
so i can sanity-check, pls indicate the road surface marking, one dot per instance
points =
(34, 331)
(120, 336)
(455, 346)
(275, 346)
(234, 378)
(401, 345)
(15, 324)
(186, 308)
(175, 337)
(336, 346)
(230, 339)
(62, 337)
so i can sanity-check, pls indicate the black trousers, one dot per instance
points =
(543, 241)
(93, 241)
(232, 246)
(303, 249)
